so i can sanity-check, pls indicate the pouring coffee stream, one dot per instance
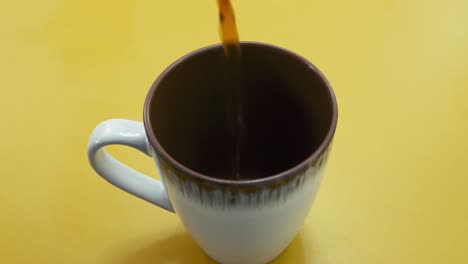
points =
(228, 28)
(234, 85)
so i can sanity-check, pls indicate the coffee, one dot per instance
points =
(193, 113)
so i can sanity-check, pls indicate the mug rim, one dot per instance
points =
(278, 177)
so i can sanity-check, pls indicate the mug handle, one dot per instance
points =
(132, 134)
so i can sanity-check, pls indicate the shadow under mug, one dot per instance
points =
(289, 115)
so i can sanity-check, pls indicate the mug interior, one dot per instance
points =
(288, 111)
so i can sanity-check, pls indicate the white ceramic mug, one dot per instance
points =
(247, 220)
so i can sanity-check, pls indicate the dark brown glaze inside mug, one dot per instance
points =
(288, 111)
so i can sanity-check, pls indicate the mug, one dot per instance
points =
(290, 115)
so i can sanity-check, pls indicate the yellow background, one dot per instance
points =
(396, 187)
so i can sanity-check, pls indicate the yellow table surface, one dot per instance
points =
(396, 186)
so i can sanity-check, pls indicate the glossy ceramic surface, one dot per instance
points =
(395, 186)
